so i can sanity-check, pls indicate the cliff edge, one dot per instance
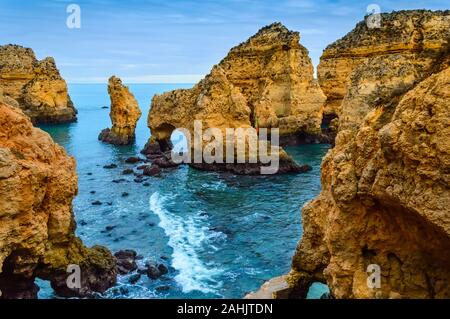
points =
(385, 185)
(38, 182)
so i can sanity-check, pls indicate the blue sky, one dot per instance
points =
(171, 41)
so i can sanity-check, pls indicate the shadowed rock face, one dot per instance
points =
(266, 81)
(385, 185)
(125, 114)
(36, 86)
(38, 182)
(417, 37)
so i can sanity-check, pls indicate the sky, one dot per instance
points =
(171, 41)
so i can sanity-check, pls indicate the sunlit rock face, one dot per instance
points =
(385, 185)
(38, 182)
(265, 82)
(36, 86)
(416, 36)
(125, 114)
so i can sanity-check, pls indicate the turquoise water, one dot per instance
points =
(221, 235)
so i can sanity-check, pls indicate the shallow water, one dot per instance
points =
(221, 235)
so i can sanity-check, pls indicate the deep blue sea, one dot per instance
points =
(222, 235)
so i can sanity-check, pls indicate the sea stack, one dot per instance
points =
(35, 86)
(38, 182)
(265, 82)
(385, 197)
(124, 114)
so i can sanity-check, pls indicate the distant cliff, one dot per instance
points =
(386, 184)
(36, 86)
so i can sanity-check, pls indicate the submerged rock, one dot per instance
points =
(133, 160)
(152, 170)
(134, 278)
(128, 171)
(35, 86)
(37, 185)
(124, 114)
(154, 270)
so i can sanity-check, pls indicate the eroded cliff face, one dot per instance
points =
(385, 185)
(418, 37)
(36, 86)
(265, 82)
(38, 182)
(125, 114)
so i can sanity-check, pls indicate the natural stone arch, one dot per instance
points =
(163, 134)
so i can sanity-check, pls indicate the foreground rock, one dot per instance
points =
(386, 184)
(125, 114)
(35, 86)
(265, 82)
(37, 185)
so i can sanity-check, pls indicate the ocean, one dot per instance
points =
(221, 235)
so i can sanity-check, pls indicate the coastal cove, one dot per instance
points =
(220, 235)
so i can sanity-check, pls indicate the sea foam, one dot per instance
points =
(187, 235)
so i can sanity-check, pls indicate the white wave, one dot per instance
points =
(186, 236)
(216, 185)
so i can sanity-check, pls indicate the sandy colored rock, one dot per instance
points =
(418, 36)
(38, 182)
(275, 288)
(265, 82)
(385, 185)
(125, 114)
(37, 86)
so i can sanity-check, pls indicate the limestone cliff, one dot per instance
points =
(385, 185)
(37, 86)
(125, 114)
(38, 182)
(264, 82)
(416, 36)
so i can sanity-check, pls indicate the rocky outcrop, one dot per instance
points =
(38, 182)
(418, 37)
(386, 184)
(276, 288)
(125, 114)
(265, 82)
(36, 86)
